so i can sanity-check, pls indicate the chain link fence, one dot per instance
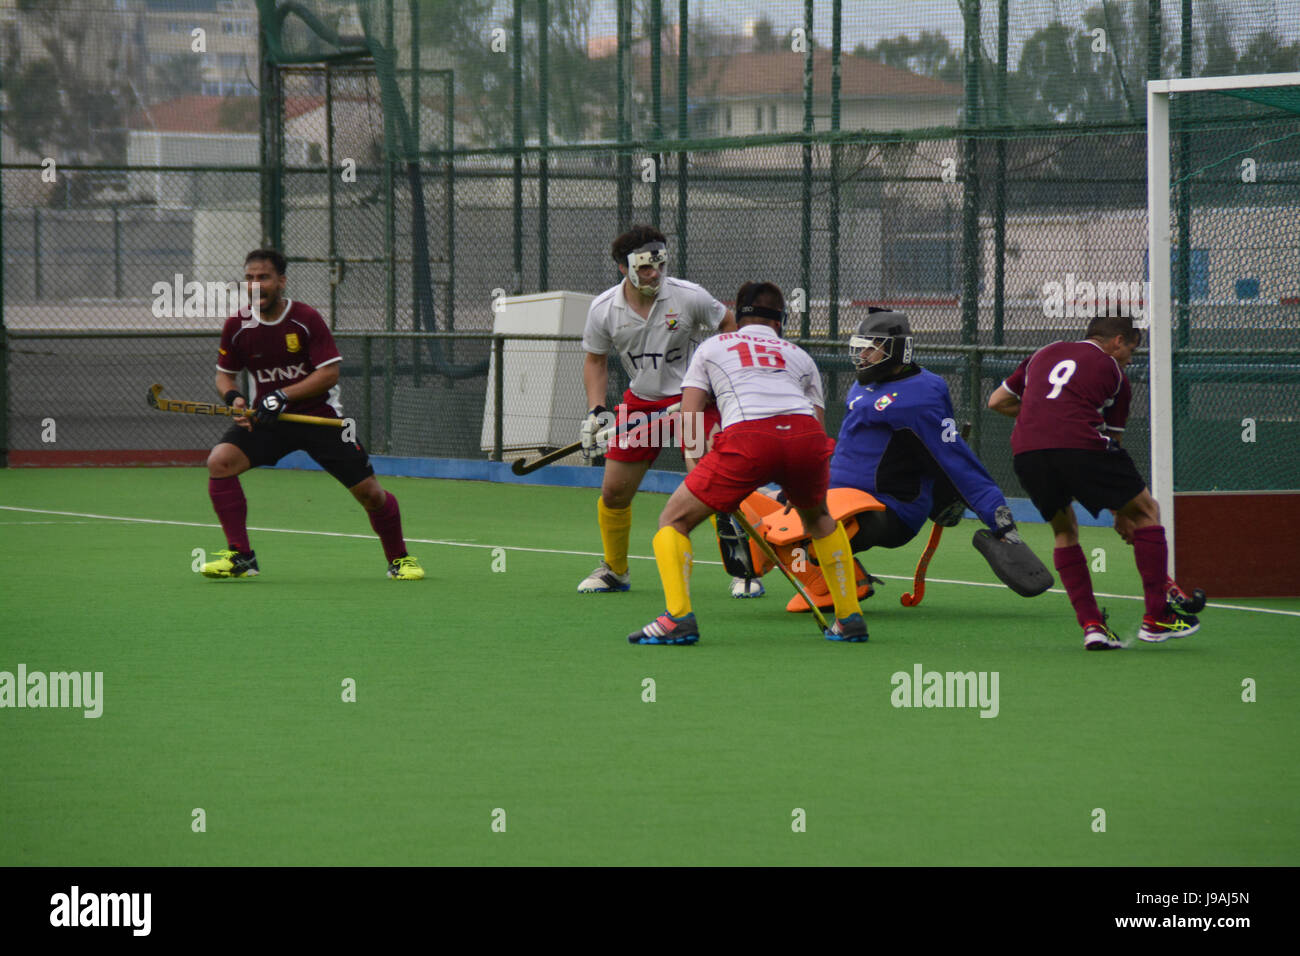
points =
(980, 165)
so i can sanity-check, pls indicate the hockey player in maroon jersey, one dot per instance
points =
(1071, 403)
(293, 365)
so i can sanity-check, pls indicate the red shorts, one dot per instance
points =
(792, 450)
(644, 444)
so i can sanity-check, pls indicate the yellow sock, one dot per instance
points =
(615, 529)
(836, 558)
(673, 555)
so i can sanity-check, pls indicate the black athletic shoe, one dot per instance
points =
(1174, 624)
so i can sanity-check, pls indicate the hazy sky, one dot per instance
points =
(866, 21)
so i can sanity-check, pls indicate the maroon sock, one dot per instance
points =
(1151, 554)
(232, 511)
(1072, 566)
(387, 522)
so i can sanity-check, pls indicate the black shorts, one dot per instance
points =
(267, 444)
(879, 529)
(1053, 477)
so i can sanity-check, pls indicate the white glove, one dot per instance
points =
(591, 425)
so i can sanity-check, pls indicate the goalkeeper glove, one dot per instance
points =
(1004, 526)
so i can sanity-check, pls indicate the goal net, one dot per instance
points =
(1224, 327)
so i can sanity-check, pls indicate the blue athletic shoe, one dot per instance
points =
(666, 629)
(852, 629)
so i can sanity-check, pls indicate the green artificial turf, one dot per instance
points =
(481, 689)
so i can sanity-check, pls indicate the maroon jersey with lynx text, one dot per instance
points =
(1071, 394)
(281, 353)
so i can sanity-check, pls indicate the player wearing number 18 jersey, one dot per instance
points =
(1071, 403)
(769, 394)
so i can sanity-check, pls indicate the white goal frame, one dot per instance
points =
(1159, 241)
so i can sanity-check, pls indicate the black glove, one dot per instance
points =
(1004, 526)
(270, 406)
(233, 394)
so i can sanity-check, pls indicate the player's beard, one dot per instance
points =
(268, 304)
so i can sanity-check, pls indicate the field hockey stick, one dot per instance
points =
(771, 556)
(913, 598)
(212, 408)
(522, 466)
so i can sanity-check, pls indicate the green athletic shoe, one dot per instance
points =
(405, 568)
(231, 564)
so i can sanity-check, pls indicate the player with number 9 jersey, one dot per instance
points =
(1072, 394)
(1071, 401)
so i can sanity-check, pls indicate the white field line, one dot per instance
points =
(589, 554)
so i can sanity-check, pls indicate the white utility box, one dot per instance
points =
(544, 399)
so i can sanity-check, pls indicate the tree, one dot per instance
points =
(928, 55)
(180, 75)
(70, 100)
(765, 39)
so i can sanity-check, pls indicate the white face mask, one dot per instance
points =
(651, 254)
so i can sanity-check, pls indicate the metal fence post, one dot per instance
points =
(656, 103)
(366, 382)
(36, 252)
(623, 166)
(1000, 186)
(543, 141)
(117, 251)
(518, 285)
(498, 397)
(970, 174)
(805, 228)
(834, 264)
(683, 129)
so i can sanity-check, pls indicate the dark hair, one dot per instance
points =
(272, 256)
(765, 295)
(1109, 326)
(636, 237)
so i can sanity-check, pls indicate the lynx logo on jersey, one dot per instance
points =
(291, 342)
(884, 401)
(268, 376)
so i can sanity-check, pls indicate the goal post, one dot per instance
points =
(1265, 258)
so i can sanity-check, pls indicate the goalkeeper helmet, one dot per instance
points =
(881, 345)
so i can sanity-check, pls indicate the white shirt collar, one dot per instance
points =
(288, 304)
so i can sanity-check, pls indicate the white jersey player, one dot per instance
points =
(753, 373)
(770, 394)
(654, 324)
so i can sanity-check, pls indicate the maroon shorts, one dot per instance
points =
(792, 450)
(644, 444)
